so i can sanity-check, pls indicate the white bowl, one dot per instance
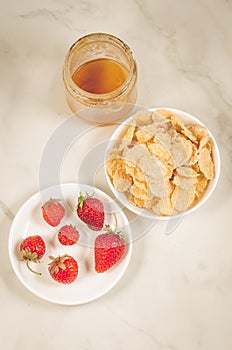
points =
(122, 197)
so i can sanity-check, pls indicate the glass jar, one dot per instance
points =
(100, 107)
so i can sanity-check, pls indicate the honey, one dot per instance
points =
(100, 76)
(100, 79)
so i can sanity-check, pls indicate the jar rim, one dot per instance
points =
(76, 91)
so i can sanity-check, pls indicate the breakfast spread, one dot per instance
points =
(161, 163)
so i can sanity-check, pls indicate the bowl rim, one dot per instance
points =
(142, 211)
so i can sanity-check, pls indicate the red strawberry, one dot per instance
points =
(91, 211)
(33, 249)
(53, 212)
(109, 248)
(63, 269)
(68, 235)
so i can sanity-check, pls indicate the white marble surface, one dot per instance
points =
(176, 294)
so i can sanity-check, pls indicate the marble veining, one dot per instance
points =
(58, 16)
(176, 293)
(147, 13)
(64, 16)
(6, 210)
(156, 342)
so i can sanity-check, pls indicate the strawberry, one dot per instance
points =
(53, 212)
(63, 269)
(109, 248)
(33, 249)
(68, 235)
(91, 211)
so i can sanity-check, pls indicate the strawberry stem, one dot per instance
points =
(116, 222)
(82, 198)
(29, 268)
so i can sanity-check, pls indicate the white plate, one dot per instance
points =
(89, 285)
(122, 197)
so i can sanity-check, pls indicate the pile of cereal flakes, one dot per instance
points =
(160, 163)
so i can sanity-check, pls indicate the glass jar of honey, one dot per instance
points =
(100, 77)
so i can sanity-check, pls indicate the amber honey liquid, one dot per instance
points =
(100, 76)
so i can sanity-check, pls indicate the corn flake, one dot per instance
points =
(158, 150)
(121, 180)
(163, 207)
(206, 164)
(129, 133)
(186, 171)
(143, 117)
(137, 201)
(198, 131)
(201, 185)
(143, 136)
(184, 182)
(182, 199)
